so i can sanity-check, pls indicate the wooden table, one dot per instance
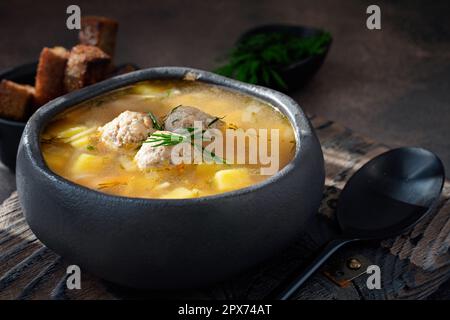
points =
(413, 265)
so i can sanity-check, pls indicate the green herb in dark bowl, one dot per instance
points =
(258, 58)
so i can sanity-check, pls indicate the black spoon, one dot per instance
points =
(384, 198)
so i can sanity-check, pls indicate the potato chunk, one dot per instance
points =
(204, 171)
(141, 186)
(81, 143)
(70, 132)
(88, 163)
(232, 179)
(181, 193)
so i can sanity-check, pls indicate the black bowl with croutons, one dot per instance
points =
(11, 128)
(26, 88)
(16, 110)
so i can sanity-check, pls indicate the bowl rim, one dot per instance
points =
(31, 137)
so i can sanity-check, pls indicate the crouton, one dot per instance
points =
(15, 100)
(100, 32)
(50, 74)
(86, 65)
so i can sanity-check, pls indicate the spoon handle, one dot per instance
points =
(288, 287)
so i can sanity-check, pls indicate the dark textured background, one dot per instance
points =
(392, 85)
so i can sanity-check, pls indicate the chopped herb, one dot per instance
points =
(90, 148)
(155, 122)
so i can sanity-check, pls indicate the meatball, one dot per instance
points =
(184, 117)
(151, 155)
(128, 129)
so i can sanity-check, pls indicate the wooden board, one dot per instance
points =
(413, 265)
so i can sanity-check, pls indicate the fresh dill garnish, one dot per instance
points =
(258, 58)
(155, 122)
(165, 139)
(90, 148)
(172, 139)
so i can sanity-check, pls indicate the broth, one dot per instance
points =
(74, 145)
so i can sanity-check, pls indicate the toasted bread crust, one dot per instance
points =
(15, 100)
(50, 74)
(100, 32)
(86, 65)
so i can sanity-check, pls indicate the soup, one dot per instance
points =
(152, 140)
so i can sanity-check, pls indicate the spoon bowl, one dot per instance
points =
(384, 198)
(390, 194)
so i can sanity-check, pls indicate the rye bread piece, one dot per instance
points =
(15, 100)
(50, 74)
(100, 32)
(86, 65)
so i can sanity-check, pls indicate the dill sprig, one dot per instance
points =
(215, 120)
(171, 139)
(258, 58)
(165, 139)
(155, 122)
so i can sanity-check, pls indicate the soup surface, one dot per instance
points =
(118, 143)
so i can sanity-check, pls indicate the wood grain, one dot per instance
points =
(413, 265)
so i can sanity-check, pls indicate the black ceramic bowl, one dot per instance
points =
(166, 244)
(300, 72)
(11, 131)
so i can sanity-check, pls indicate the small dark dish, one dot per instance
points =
(11, 131)
(166, 244)
(299, 73)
